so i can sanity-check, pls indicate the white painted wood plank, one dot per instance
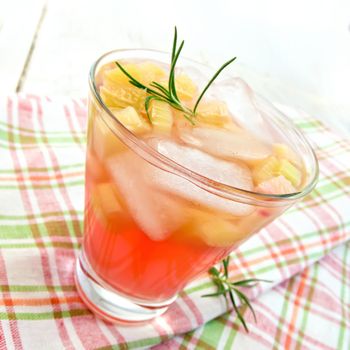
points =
(75, 33)
(289, 52)
(18, 24)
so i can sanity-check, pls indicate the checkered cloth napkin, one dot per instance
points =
(305, 253)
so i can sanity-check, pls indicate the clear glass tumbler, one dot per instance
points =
(147, 230)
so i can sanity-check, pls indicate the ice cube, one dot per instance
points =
(242, 103)
(270, 114)
(196, 75)
(226, 144)
(157, 215)
(229, 173)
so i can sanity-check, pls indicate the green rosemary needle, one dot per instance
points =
(231, 289)
(168, 94)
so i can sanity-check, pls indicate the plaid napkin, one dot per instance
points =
(305, 253)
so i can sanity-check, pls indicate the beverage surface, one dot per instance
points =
(148, 231)
(228, 130)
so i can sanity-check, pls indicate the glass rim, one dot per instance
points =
(167, 164)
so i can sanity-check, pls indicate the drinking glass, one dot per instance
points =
(153, 225)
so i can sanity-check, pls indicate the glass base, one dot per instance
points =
(111, 306)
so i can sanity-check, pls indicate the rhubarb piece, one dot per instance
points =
(290, 172)
(105, 202)
(272, 167)
(212, 230)
(219, 233)
(161, 117)
(266, 169)
(145, 72)
(276, 185)
(213, 113)
(185, 87)
(122, 97)
(281, 150)
(131, 120)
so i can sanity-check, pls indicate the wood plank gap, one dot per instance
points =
(31, 49)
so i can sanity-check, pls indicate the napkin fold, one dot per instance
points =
(305, 253)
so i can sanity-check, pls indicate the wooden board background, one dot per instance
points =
(292, 52)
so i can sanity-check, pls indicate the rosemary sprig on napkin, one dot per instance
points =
(231, 289)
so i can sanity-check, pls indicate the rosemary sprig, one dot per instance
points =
(229, 289)
(159, 92)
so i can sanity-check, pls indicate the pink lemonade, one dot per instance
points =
(149, 229)
(181, 168)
